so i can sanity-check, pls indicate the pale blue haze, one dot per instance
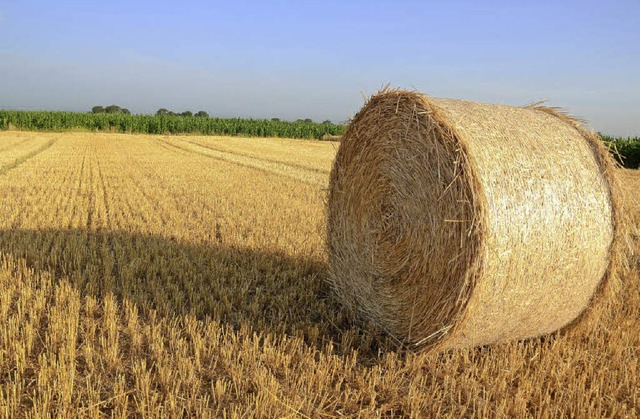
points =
(301, 59)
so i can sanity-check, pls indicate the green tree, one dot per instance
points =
(186, 113)
(113, 109)
(163, 111)
(97, 109)
(202, 114)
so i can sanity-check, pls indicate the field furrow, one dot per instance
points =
(297, 161)
(297, 172)
(33, 149)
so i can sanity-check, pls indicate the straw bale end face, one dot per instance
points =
(455, 223)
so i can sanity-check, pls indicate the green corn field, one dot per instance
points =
(163, 124)
(625, 150)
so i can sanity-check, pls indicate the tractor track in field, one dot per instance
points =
(255, 163)
(268, 160)
(105, 195)
(20, 160)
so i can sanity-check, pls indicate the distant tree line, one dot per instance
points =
(110, 109)
(310, 121)
(115, 109)
(199, 114)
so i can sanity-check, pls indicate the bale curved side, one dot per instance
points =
(605, 296)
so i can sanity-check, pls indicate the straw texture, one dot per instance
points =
(453, 223)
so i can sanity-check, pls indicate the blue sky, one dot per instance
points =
(300, 59)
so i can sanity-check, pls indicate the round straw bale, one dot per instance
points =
(454, 223)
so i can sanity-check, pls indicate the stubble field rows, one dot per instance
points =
(184, 275)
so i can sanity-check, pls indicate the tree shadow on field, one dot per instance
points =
(267, 292)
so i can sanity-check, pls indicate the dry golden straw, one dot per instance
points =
(455, 223)
(327, 137)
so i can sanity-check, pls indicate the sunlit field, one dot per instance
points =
(185, 276)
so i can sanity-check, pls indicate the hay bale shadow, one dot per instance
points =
(268, 292)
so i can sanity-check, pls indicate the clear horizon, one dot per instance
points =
(317, 60)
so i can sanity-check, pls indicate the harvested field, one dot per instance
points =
(186, 276)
